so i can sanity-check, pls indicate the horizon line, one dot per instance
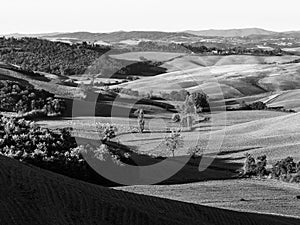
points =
(115, 31)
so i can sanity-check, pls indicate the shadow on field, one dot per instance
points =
(218, 169)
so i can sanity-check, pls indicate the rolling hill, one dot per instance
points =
(234, 80)
(231, 32)
(31, 196)
(275, 135)
(123, 36)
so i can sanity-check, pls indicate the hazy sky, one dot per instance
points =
(40, 16)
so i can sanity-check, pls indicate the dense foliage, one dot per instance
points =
(163, 47)
(22, 98)
(34, 54)
(199, 48)
(54, 150)
(255, 168)
(22, 139)
(285, 169)
(200, 100)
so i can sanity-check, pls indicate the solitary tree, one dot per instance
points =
(174, 141)
(200, 100)
(141, 120)
(187, 111)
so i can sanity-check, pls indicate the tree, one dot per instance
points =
(258, 106)
(141, 120)
(176, 118)
(261, 165)
(200, 100)
(174, 141)
(249, 165)
(187, 111)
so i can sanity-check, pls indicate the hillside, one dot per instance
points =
(32, 196)
(123, 36)
(256, 132)
(231, 32)
(234, 80)
(34, 54)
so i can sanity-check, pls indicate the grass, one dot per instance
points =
(234, 80)
(264, 196)
(34, 196)
(191, 62)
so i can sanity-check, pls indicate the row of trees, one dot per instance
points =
(199, 48)
(162, 47)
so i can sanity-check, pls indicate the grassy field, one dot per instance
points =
(276, 134)
(194, 61)
(234, 80)
(264, 196)
(34, 196)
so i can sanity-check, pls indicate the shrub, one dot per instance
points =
(261, 164)
(200, 100)
(194, 151)
(255, 168)
(109, 132)
(283, 168)
(258, 106)
(176, 118)
(249, 166)
(174, 141)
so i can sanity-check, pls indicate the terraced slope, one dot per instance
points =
(30, 196)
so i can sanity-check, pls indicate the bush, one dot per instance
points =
(194, 151)
(200, 100)
(249, 166)
(258, 106)
(284, 168)
(255, 168)
(176, 118)
(107, 131)
(261, 164)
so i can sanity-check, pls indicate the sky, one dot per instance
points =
(43, 16)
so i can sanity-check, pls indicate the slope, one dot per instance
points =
(34, 196)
